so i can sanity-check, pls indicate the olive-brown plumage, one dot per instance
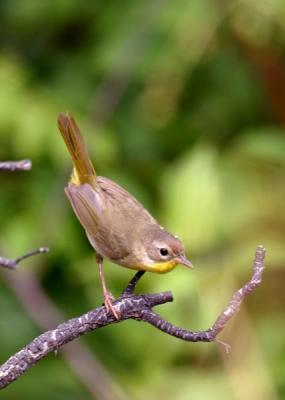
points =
(117, 225)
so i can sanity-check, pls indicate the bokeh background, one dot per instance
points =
(182, 103)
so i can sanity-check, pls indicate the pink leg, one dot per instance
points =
(108, 298)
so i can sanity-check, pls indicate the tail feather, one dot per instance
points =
(84, 171)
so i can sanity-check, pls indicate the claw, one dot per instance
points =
(108, 302)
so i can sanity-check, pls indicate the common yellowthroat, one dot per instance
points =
(116, 224)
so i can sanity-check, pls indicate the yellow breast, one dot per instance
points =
(160, 267)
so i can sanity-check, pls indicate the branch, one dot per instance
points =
(23, 165)
(138, 307)
(12, 263)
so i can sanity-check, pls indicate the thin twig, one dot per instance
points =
(138, 307)
(23, 165)
(12, 263)
(232, 308)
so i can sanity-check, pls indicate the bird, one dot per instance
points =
(117, 225)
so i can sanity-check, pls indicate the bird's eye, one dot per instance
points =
(163, 252)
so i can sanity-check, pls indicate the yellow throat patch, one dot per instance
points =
(161, 267)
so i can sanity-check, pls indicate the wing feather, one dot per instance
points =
(86, 205)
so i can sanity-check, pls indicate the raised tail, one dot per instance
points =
(83, 171)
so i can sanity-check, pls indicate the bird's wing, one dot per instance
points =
(85, 202)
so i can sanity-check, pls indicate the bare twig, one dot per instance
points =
(138, 307)
(23, 165)
(12, 263)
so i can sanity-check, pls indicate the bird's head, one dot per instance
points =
(165, 251)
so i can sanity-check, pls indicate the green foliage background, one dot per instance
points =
(183, 103)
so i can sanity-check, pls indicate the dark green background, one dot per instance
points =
(182, 103)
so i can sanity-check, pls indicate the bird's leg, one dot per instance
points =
(132, 284)
(108, 298)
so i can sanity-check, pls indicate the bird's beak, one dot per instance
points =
(183, 260)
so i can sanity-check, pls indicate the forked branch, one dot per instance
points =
(129, 305)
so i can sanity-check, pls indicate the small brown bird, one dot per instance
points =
(116, 224)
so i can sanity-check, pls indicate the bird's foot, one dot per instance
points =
(108, 302)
